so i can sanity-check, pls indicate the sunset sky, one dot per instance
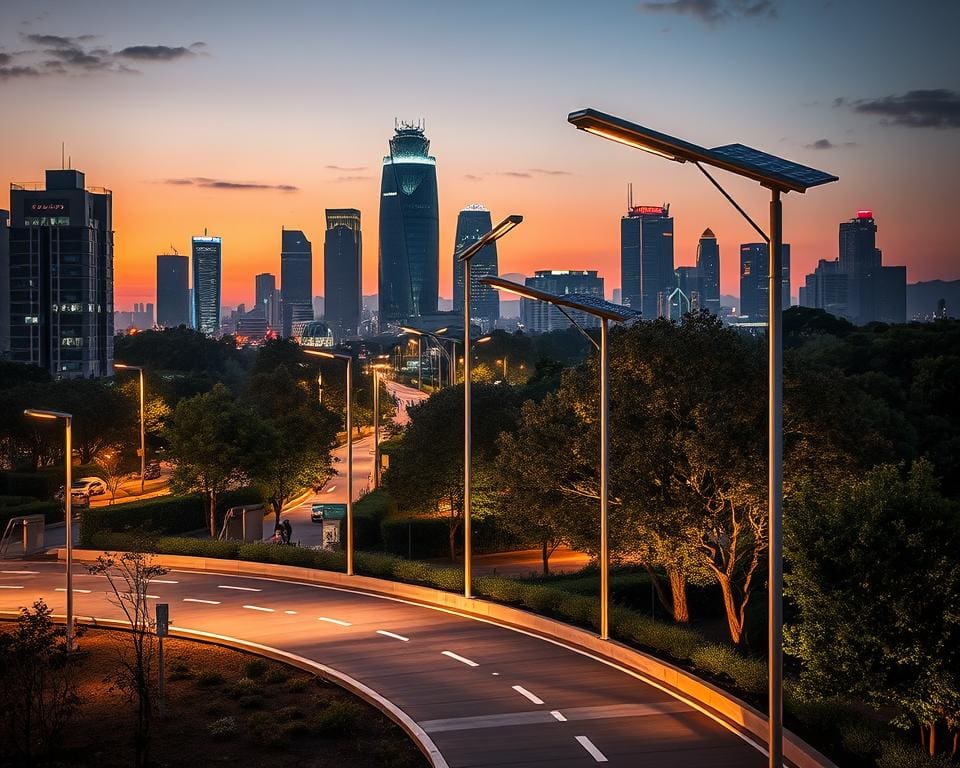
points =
(242, 117)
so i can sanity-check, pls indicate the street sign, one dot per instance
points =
(320, 512)
(163, 619)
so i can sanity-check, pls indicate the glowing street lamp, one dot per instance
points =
(143, 437)
(464, 258)
(39, 413)
(605, 311)
(376, 368)
(348, 360)
(779, 176)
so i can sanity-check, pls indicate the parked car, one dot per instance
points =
(92, 486)
(152, 470)
(78, 499)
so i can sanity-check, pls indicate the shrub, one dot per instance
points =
(244, 687)
(210, 678)
(897, 754)
(337, 718)
(289, 713)
(223, 728)
(275, 676)
(416, 537)
(52, 511)
(298, 685)
(255, 668)
(368, 513)
(178, 670)
(253, 701)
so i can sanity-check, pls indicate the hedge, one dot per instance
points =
(52, 511)
(161, 515)
(421, 537)
(43, 483)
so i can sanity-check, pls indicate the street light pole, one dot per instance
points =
(779, 176)
(348, 360)
(38, 413)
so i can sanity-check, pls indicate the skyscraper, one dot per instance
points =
(409, 259)
(342, 263)
(4, 284)
(708, 272)
(173, 290)
(472, 223)
(860, 261)
(61, 276)
(541, 317)
(264, 286)
(296, 279)
(754, 280)
(646, 258)
(207, 273)
(826, 288)
(267, 299)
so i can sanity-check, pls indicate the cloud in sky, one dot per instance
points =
(71, 55)
(821, 144)
(930, 108)
(527, 173)
(208, 183)
(347, 168)
(341, 179)
(714, 12)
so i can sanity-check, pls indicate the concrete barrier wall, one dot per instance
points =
(729, 711)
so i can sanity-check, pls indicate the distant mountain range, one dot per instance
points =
(922, 298)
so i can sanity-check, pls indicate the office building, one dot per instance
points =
(541, 317)
(4, 284)
(860, 259)
(409, 259)
(646, 258)
(61, 276)
(685, 297)
(473, 222)
(296, 279)
(754, 281)
(617, 296)
(173, 290)
(708, 272)
(891, 295)
(268, 300)
(826, 288)
(207, 275)
(342, 263)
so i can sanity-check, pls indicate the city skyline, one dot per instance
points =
(884, 127)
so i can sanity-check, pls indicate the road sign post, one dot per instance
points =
(162, 629)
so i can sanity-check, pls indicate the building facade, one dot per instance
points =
(296, 279)
(473, 222)
(4, 284)
(409, 258)
(646, 258)
(541, 317)
(207, 255)
(826, 288)
(268, 301)
(708, 272)
(342, 265)
(754, 281)
(173, 290)
(61, 276)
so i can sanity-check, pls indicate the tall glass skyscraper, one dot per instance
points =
(342, 261)
(173, 290)
(296, 279)
(207, 252)
(646, 258)
(409, 260)
(61, 276)
(472, 223)
(708, 272)
(754, 280)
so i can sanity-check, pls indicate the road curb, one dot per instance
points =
(733, 714)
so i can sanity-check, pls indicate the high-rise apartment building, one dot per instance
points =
(296, 279)
(708, 272)
(541, 317)
(473, 222)
(61, 276)
(342, 264)
(207, 276)
(754, 280)
(268, 302)
(173, 290)
(860, 261)
(4, 284)
(646, 258)
(409, 259)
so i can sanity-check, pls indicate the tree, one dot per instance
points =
(215, 442)
(38, 692)
(129, 575)
(114, 469)
(426, 468)
(296, 454)
(874, 574)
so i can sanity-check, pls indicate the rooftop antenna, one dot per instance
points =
(175, 251)
(62, 147)
(630, 196)
(204, 231)
(69, 162)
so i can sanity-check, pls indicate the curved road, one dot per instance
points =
(485, 694)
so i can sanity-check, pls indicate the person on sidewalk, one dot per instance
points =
(287, 531)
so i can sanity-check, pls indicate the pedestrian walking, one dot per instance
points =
(287, 531)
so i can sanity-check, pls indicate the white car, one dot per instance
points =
(92, 486)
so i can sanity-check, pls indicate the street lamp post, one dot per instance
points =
(605, 311)
(38, 413)
(376, 421)
(348, 360)
(143, 436)
(779, 176)
(464, 258)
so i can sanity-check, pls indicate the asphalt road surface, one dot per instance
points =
(486, 695)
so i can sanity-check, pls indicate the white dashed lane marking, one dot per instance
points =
(21, 573)
(63, 589)
(258, 608)
(198, 600)
(595, 753)
(558, 715)
(393, 635)
(460, 658)
(338, 622)
(290, 613)
(164, 581)
(240, 589)
(524, 692)
(10, 586)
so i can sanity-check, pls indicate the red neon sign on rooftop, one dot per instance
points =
(864, 214)
(649, 210)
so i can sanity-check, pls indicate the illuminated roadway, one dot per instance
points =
(486, 695)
